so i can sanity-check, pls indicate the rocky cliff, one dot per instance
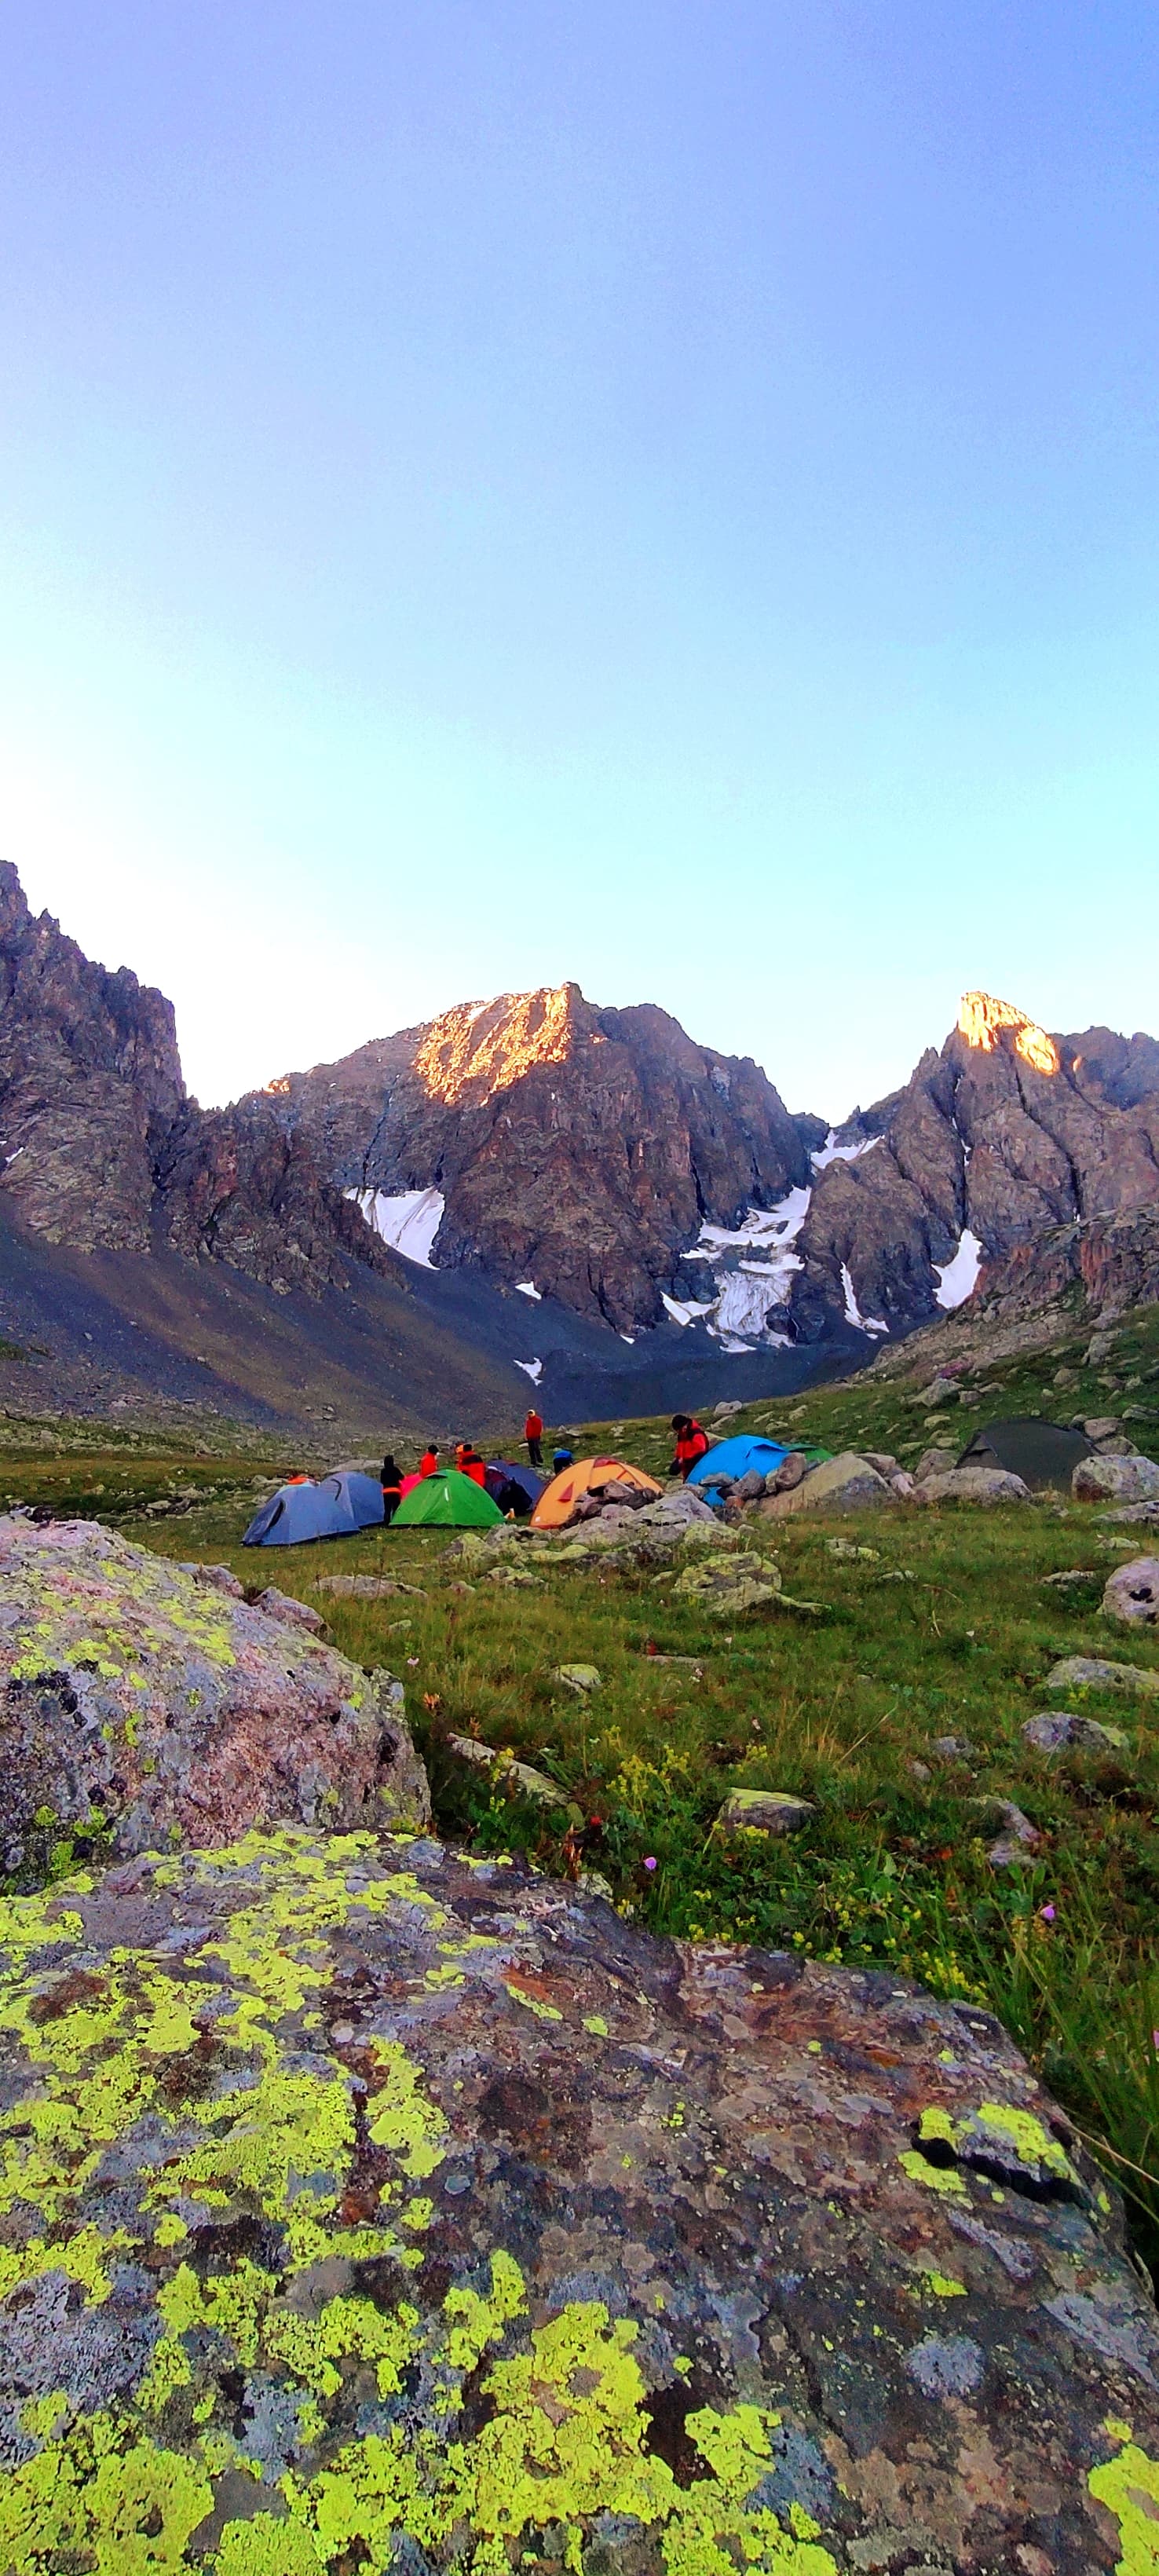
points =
(576, 1149)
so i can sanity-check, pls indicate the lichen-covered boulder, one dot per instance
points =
(844, 1484)
(363, 2207)
(141, 1705)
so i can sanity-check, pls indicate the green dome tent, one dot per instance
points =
(446, 1500)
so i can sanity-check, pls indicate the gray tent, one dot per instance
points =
(1042, 1453)
(331, 1509)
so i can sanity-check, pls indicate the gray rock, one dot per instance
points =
(884, 1461)
(290, 1613)
(1116, 1479)
(144, 1706)
(1132, 1593)
(1089, 1672)
(613, 2153)
(764, 1811)
(844, 1484)
(579, 1677)
(972, 1485)
(521, 1776)
(953, 1748)
(1018, 1827)
(1135, 1515)
(791, 1472)
(1101, 1426)
(1054, 1728)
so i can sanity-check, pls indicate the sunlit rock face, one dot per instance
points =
(365, 2205)
(981, 1018)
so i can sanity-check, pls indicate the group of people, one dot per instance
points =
(467, 1460)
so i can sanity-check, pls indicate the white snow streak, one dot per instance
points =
(853, 1315)
(958, 1277)
(831, 1152)
(685, 1314)
(532, 1369)
(409, 1221)
(527, 1288)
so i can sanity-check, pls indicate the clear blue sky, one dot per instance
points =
(663, 493)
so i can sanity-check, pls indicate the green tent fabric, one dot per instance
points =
(1042, 1453)
(446, 1500)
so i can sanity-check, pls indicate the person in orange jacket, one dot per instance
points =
(470, 1463)
(428, 1463)
(691, 1444)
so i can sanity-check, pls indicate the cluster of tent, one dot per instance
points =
(347, 1501)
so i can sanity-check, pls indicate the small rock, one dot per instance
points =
(919, 1771)
(1132, 1593)
(593, 1883)
(1055, 1727)
(791, 1472)
(578, 1677)
(882, 1459)
(216, 1578)
(764, 1811)
(953, 1748)
(1101, 1426)
(290, 1613)
(522, 1775)
(847, 1548)
(732, 1404)
(1138, 1515)
(513, 1574)
(1115, 1479)
(1089, 1672)
(973, 1485)
(1073, 1574)
(366, 1587)
(935, 1462)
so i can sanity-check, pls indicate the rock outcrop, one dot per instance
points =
(142, 1704)
(368, 2207)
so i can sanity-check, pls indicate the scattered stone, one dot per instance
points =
(844, 1484)
(791, 1472)
(291, 1613)
(1055, 1727)
(1139, 1515)
(953, 1748)
(367, 1587)
(545, 2095)
(215, 1578)
(940, 1390)
(516, 1574)
(578, 1677)
(1020, 1840)
(985, 1485)
(732, 1404)
(846, 1547)
(1117, 1479)
(1132, 1593)
(886, 1465)
(1101, 1426)
(139, 1704)
(1089, 1672)
(764, 1811)
(591, 1882)
(725, 1585)
(522, 1776)
(919, 1771)
(1074, 1574)
(935, 1462)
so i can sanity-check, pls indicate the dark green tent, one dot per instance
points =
(1042, 1453)
(446, 1500)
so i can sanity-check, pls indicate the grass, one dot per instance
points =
(942, 1626)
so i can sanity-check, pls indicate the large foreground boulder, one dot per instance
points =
(973, 1485)
(1131, 1594)
(144, 1705)
(371, 2208)
(844, 1484)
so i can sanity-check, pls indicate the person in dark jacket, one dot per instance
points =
(391, 1478)
(691, 1444)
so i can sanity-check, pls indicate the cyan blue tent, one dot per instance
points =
(331, 1509)
(734, 1458)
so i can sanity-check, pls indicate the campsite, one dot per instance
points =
(896, 1713)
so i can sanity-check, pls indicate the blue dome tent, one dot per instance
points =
(734, 1458)
(331, 1509)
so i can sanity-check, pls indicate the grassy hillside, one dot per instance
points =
(933, 1625)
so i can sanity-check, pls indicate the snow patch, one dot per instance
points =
(532, 1369)
(687, 1313)
(629, 1338)
(749, 1292)
(832, 1152)
(409, 1221)
(527, 1288)
(958, 1277)
(864, 1323)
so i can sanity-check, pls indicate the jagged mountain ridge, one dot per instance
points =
(600, 1160)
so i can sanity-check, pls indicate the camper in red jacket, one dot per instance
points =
(533, 1434)
(691, 1444)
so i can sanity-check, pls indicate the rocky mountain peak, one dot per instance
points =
(985, 1022)
(479, 1048)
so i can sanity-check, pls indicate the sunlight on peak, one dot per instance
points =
(980, 1018)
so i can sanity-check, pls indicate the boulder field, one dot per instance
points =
(367, 2206)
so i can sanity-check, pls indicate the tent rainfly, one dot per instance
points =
(1042, 1453)
(446, 1500)
(734, 1458)
(595, 1476)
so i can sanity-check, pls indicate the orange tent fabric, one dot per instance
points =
(586, 1476)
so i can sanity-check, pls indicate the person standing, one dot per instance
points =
(429, 1462)
(691, 1444)
(391, 1479)
(533, 1435)
(470, 1463)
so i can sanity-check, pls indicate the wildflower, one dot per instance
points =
(1047, 1913)
(649, 1863)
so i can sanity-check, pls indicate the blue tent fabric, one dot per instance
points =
(330, 1509)
(734, 1458)
(505, 1469)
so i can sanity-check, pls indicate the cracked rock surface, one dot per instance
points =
(364, 2206)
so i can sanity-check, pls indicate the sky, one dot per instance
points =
(656, 492)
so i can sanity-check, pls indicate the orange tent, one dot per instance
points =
(586, 1476)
